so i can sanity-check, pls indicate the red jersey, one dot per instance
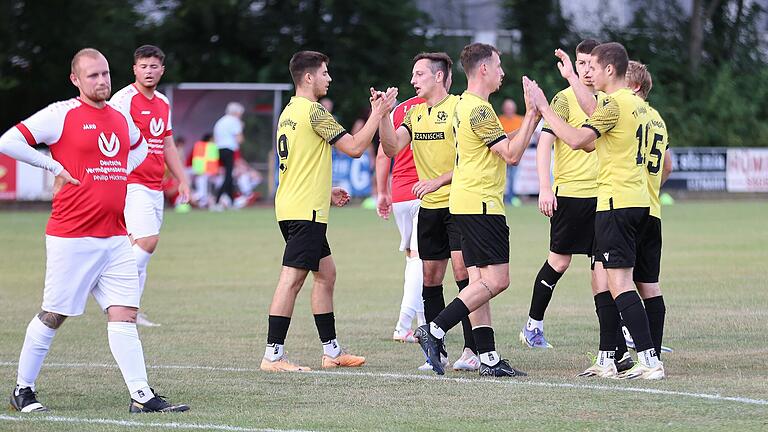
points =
(153, 118)
(92, 144)
(404, 174)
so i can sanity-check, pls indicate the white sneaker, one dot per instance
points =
(404, 336)
(142, 320)
(639, 371)
(428, 367)
(467, 362)
(596, 370)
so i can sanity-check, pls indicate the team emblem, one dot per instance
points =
(442, 116)
(110, 146)
(156, 126)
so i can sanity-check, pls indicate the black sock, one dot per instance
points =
(484, 337)
(277, 329)
(621, 343)
(326, 326)
(433, 301)
(608, 318)
(633, 314)
(543, 287)
(656, 311)
(466, 325)
(451, 315)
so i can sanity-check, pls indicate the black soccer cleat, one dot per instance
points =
(156, 404)
(501, 369)
(431, 347)
(25, 400)
(625, 363)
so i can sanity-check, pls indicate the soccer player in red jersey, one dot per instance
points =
(150, 111)
(94, 147)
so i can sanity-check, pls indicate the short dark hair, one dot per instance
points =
(612, 53)
(305, 61)
(586, 46)
(147, 51)
(473, 54)
(438, 61)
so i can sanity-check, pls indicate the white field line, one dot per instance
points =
(130, 423)
(425, 377)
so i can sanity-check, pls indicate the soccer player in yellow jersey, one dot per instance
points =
(658, 165)
(428, 128)
(570, 203)
(620, 120)
(476, 202)
(306, 132)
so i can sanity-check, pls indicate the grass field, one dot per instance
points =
(211, 281)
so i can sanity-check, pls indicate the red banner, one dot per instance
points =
(7, 178)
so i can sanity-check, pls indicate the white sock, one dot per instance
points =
(142, 260)
(648, 358)
(604, 358)
(436, 331)
(490, 358)
(532, 324)
(420, 318)
(404, 321)
(142, 395)
(274, 351)
(331, 348)
(126, 349)
(412, 301)
(37, 341)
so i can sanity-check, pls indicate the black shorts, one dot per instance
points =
(616, 234)
(648, 263)
(484, 239)
(305, 244)
(437, 234)
(572, 226)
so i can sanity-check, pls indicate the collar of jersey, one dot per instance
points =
(474, 95)
(441, 101)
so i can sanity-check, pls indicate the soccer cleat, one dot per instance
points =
(533, 338)
(432, 348)
(596, 370)
(281, 365)
(25, 400)
(404, 336)
(626, 363)
(631, 342)
(342, 360)
(467, 362)
(143, 320)
(156, 404)
(639, 371)
(428, 367)
(501, 369)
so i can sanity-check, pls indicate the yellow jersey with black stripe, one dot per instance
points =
(305, 133)
(620, 121)
(575, 171)
(479, 174)
(433, 145)
(657, 146)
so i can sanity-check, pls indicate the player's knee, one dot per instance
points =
(559, 263)
(52, 320)
(122, 314)
(497, 284)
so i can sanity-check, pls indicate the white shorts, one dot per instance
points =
(406, 218)
(143, 211)
(76, 267)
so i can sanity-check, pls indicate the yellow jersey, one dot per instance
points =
(575, 171)
(433, 145)
(620, 120)
(656, 146)
(479, 174)
(305, 133)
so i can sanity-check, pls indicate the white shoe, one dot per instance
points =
(639, 371)
(404, 336)
(428, 367)
(467, 362)
(142, 320)
(596, 370)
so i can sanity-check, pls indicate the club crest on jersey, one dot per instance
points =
(442, 116)
(156, 126)
(110, 146)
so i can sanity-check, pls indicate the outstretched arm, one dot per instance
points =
(355, 145)
(584, 95)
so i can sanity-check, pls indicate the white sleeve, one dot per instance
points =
(137, 155)
(237, 126)
(46, 125)
(14, 144)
